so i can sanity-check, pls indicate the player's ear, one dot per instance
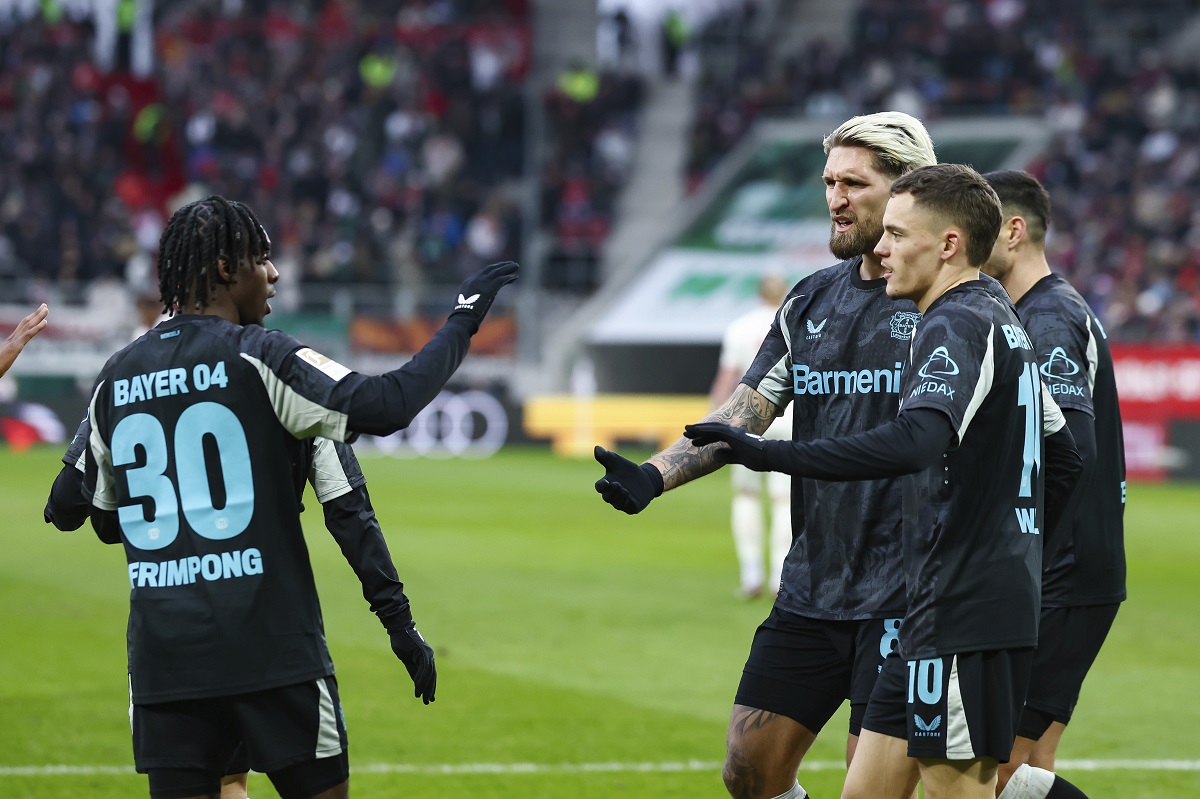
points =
(1016, 230)
(224, 270)
(952, 242)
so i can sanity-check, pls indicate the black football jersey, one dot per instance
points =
(1077, 368)
(973, 519)
(837, 351)
(197, 437)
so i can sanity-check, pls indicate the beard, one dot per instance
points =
(997, 267)
(858, 240)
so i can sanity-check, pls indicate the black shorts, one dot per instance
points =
(805, 668)
(273, 731)
(1069, 639)
(953, 707)
(240, 762)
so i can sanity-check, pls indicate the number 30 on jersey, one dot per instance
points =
(191, 492)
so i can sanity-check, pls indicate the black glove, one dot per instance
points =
(625, 485)
(66, 507)
(417, 657)
(477, 292)
(744, 447)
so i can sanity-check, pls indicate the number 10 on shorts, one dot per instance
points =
(925, 681)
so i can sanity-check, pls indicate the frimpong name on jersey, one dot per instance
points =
(185, 571)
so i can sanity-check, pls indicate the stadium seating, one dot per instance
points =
(378, 147)
(382, 147)
(1124, 168)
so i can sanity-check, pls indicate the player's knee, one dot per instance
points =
(1003, 774)
(750, 777)
(738, 774)
(744, 776)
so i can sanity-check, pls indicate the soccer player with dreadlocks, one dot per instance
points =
(339, 485)
(197, 430)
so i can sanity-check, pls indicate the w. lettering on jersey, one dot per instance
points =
(972, 516)
(806, 380)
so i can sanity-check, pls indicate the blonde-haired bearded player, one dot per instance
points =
(839, 344)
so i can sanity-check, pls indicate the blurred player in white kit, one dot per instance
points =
(739, 345)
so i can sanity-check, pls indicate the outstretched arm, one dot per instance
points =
(630, 488)
(907, 444)
(26, 329)
(389, 402)
(683, 461)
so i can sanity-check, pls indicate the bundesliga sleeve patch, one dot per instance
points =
(322, 363)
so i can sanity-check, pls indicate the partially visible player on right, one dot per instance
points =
(1083, 578)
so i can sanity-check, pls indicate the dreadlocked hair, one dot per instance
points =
(196, 238)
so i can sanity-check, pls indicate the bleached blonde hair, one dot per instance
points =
(899, 141)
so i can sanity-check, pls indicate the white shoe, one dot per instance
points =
(749, 593)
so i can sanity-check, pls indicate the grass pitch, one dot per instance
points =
(581, 652)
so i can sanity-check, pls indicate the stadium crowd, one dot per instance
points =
(385, 150)
(1124, 164)
(381, 143)
(592, 120)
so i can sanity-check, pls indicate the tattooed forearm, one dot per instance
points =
(681, 462)
(746, 408)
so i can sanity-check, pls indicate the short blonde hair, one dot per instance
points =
(899, 141)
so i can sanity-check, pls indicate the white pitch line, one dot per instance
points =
(589, 768)
(1129, 765)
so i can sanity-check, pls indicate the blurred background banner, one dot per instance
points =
(1159, 386)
